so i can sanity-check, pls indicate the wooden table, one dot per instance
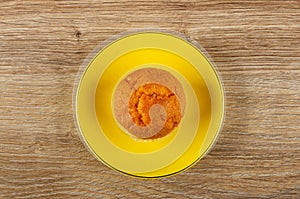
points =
(255, 44)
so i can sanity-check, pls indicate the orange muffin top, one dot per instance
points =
(145, 97)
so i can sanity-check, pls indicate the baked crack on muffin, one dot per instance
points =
(145, 97)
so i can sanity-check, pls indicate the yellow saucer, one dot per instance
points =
(199, 126)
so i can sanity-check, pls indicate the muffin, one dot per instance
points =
(149, 103)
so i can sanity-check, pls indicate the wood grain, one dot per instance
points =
(255, 44)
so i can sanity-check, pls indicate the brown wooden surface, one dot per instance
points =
(255, 44)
